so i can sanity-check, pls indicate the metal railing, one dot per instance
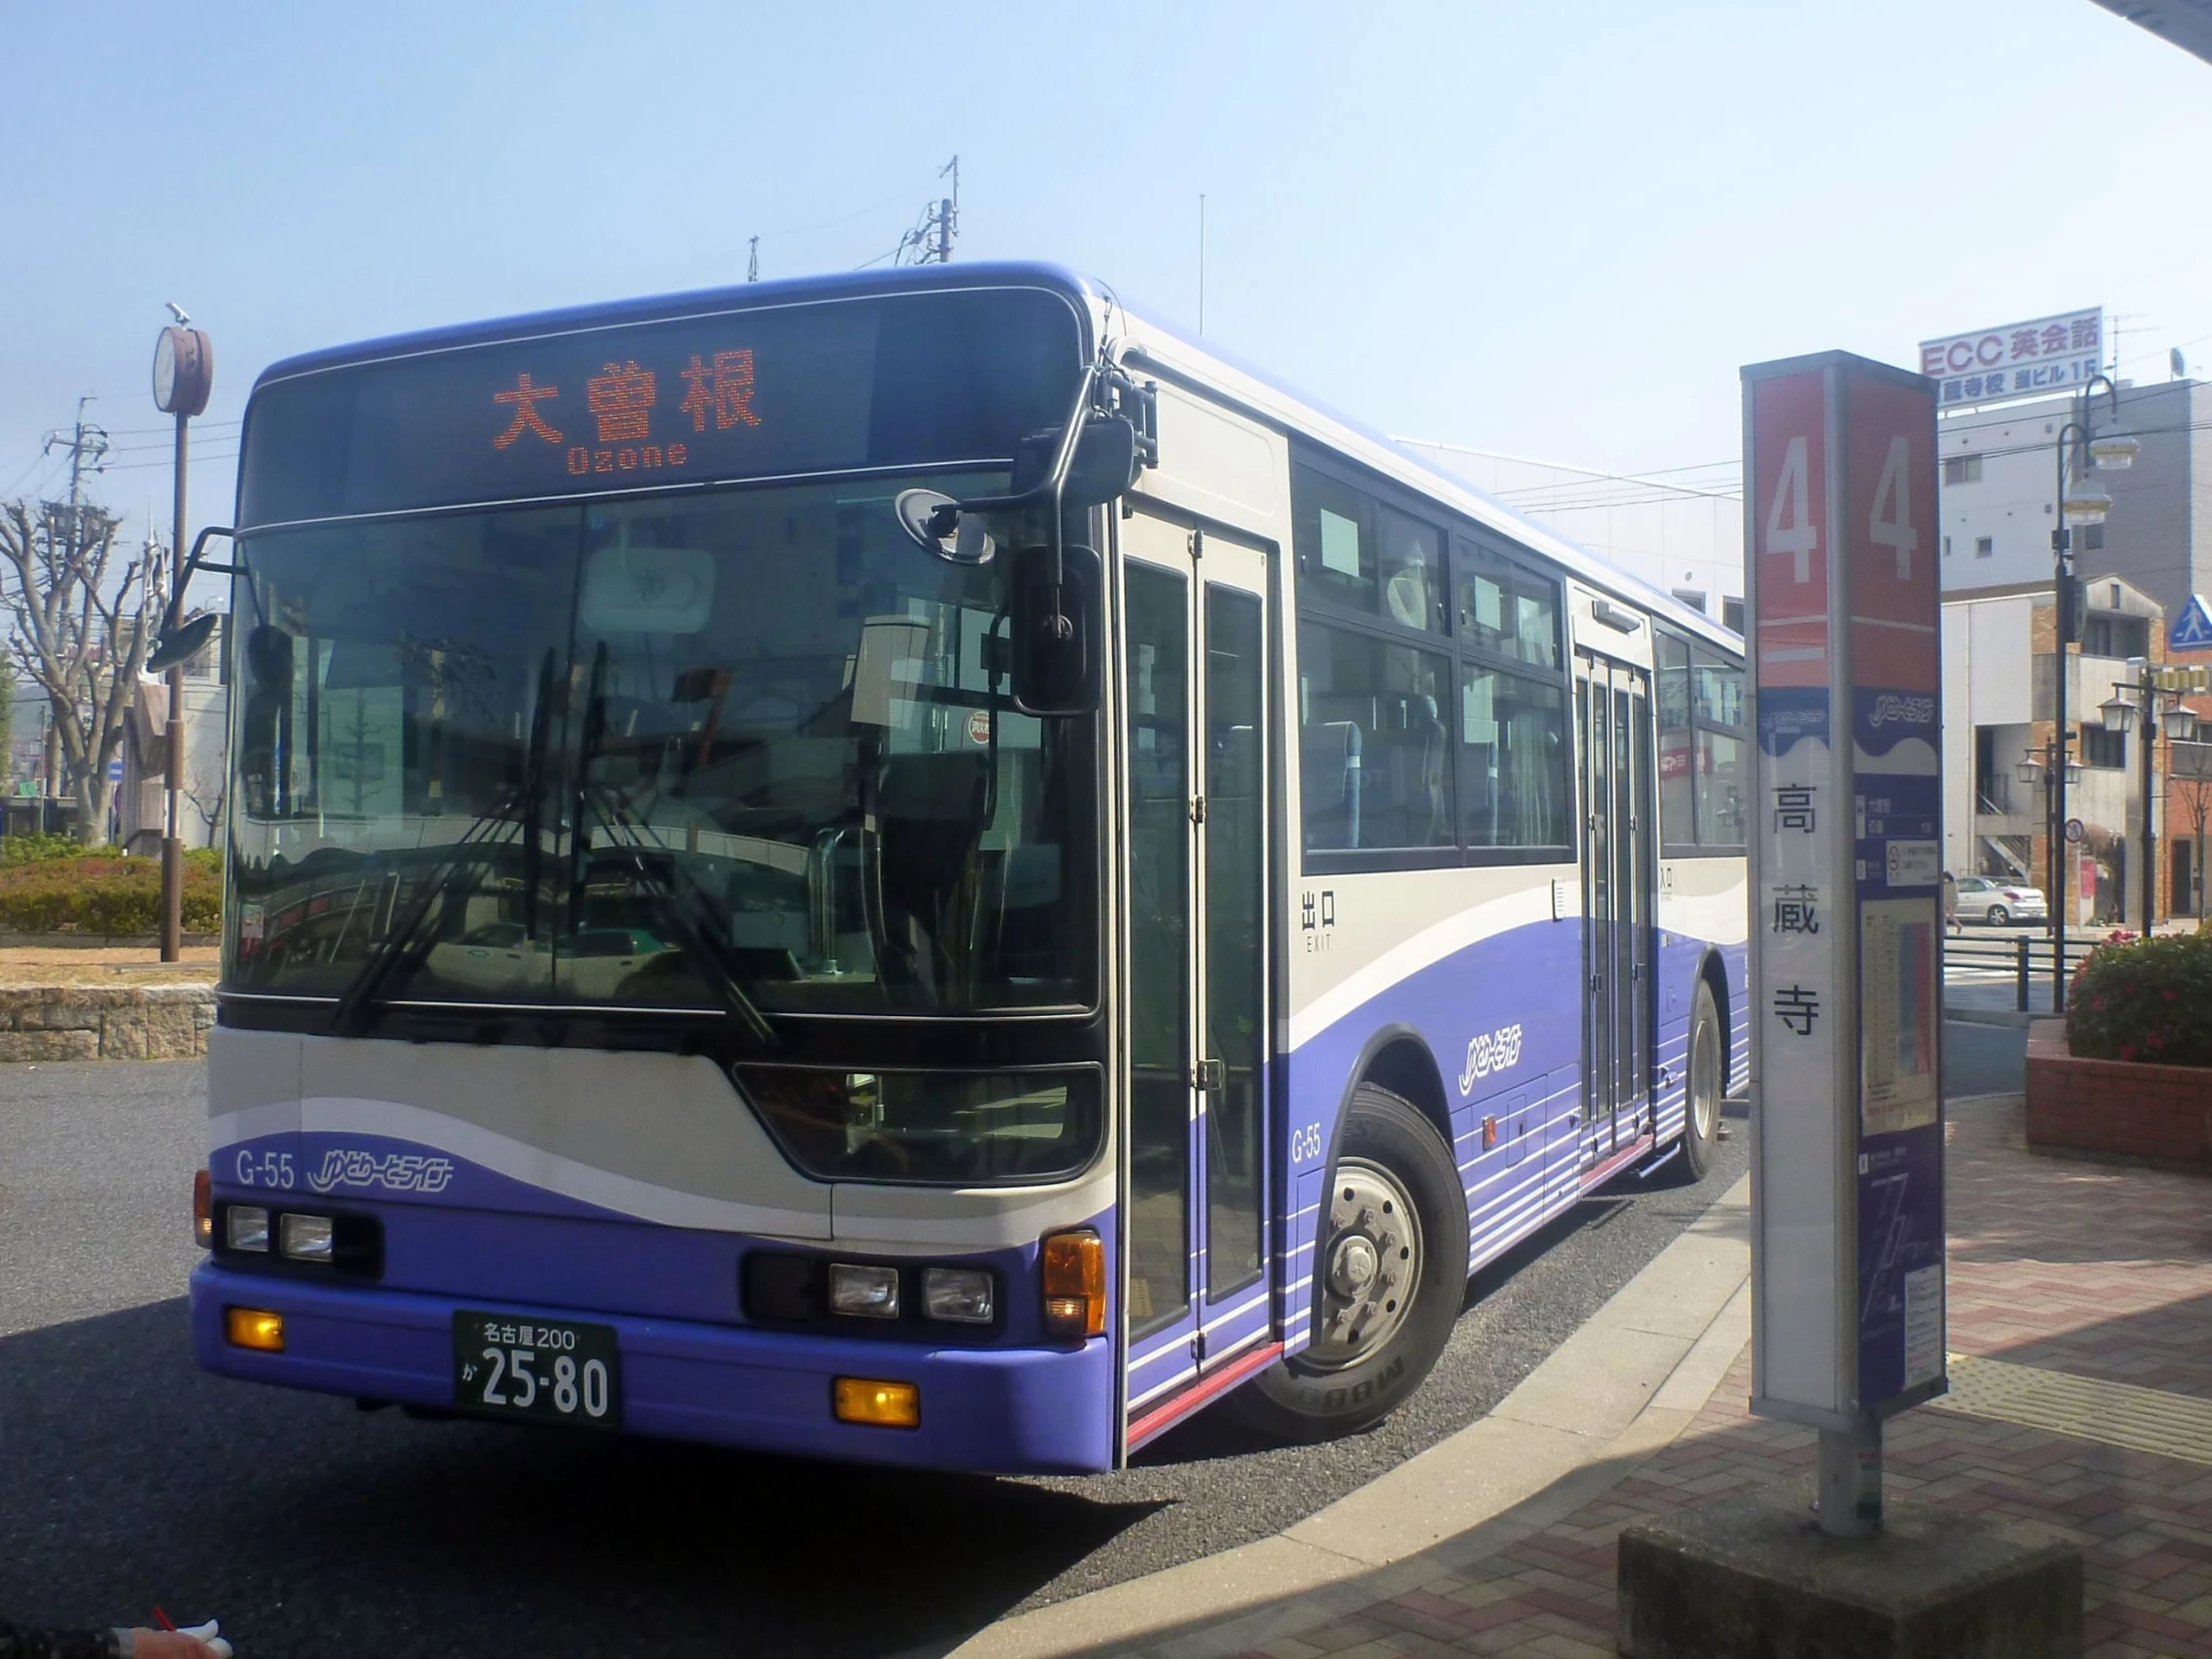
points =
(2026, 958)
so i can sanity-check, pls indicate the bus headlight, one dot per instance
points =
(1075, 1284)
(306, 1238)
(864, 1291)
(960, 1295)
(246, 1227)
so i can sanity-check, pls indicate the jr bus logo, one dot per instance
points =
(1490, 1051)
(399, 1172)
(1909, 711)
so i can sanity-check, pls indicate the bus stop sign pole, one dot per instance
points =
(1846, 926)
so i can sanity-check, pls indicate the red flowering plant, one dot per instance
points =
(2148, 1000)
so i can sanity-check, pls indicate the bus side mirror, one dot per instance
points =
(181, 644)
(1057, 639)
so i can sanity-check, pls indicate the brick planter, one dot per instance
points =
(2116, 1108)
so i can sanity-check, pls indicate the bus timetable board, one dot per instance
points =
(1847, 860)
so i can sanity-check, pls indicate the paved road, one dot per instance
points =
(128, 1478)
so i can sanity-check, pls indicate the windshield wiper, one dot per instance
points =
(404, 943)
(686, 909)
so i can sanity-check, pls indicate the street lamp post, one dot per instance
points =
(2055, 769)
(2155, 692)
(2084, 506)
(183, 374)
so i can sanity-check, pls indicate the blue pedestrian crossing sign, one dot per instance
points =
(2192, 629)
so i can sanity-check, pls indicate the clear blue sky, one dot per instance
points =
(1550, 228)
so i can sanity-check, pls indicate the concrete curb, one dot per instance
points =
(1623, 1385)
(1991, 1016)
(99, 941)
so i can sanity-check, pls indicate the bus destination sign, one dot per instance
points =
(616, 430)
(738, 393)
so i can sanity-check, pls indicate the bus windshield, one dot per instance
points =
(632, 754)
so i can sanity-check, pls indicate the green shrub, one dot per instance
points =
(40, 848)
(95, 895)
(2148, 1000)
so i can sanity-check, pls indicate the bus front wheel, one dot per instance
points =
(1706, 1084)
(1389, 1269)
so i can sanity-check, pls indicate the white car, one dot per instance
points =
(1999, 902)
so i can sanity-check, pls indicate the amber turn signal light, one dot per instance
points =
(880, 1404)
(202, 1209)
(1075, 1284)
(254, 1328)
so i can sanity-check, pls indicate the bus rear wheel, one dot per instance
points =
(1701, 1104)
(1389, 1269)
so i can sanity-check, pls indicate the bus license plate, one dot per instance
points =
(550, 1371)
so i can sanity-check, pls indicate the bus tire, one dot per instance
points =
(1394, 1196)
(1705, 1083)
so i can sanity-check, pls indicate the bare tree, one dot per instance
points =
(80, 622)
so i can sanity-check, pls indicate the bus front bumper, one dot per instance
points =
(1003, 1411)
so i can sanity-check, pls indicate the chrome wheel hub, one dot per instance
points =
(1353, 1267)
(1370, 1260)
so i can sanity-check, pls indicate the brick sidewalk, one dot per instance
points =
(2091, 1270)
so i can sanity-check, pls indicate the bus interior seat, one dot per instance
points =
(1329, 756)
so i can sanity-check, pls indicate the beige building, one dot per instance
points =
(1999, 678)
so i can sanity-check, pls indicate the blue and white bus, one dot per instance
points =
(917, 867)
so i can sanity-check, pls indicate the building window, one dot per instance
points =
(1692, 597)
(1732, 615)
(2101, 748)
(1962, 469)
(1984, 547)
(2107, 634)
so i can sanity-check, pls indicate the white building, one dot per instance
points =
(1682, 530)
(2000, 482)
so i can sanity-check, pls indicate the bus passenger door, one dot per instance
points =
(1194, 743)
(1613, 736)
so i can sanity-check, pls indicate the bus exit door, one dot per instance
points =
(1194, 754)
(1613, 725)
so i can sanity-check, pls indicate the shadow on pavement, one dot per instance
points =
(130, 1477)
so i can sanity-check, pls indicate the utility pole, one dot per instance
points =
(930, 242)
(87, 439)
(752, 263)
(947, 216)
(1201, 262)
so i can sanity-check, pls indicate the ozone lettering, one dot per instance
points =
(621, 401)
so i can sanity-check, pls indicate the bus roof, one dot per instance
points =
(1164, 344)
